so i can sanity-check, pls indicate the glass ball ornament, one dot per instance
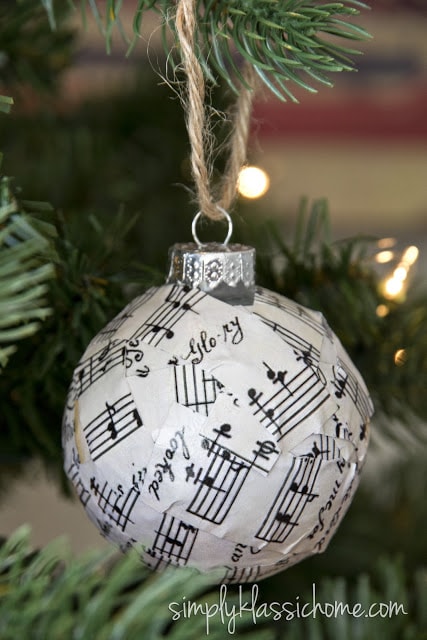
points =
(216, 425)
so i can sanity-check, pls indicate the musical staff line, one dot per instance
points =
(116, 504)
(116, 323)
(292, 403)
(296, 311)
(91, 369)
(220, 483)
(118, 421)
(195, 389)
(242, 574)
(292, 498)
(160, 324)
(174, 541)
(300, 346)
(346, 384)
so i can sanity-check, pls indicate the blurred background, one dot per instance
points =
(98, 133)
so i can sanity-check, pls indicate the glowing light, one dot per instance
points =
(253, 182)
(400, 273)
(386, 243)
(384, 256)
(382, 310)
(400, 357)
(410, 255)
(392, 287)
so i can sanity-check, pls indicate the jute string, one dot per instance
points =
(198, 125)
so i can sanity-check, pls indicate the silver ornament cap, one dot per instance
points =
(225, 271)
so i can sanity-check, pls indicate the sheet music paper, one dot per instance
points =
(216, 436)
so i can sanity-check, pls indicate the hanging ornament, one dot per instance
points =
(215, 424)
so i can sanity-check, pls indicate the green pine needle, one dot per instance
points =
(48, 594)
(51, 594)
(25, 268)
(288, 43)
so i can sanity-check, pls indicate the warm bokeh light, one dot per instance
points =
(386, 243)
(410, 255)
(396, 283)
(400, 357)
(253, 182)
(384, 256)
(382, 310)
(400, 273)
(393, 287)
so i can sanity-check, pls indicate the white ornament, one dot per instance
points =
(213, 435)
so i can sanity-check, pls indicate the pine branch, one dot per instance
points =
(387, 584)
(291, 43)
(49, 594)
(25, 267)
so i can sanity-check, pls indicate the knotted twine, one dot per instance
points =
(198, 126)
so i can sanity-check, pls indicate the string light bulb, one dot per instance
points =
(253, 182)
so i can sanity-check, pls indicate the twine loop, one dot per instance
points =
(198, 123)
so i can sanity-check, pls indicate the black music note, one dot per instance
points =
(219, 483)
(271, 375)
(355, 390)
(286, 510)
(341, 431)
(291, 404)
(81, 376)
(305, 355)
(305, 491)
(101, 357)
(255, 400)
(118, 421)
(275, 376)
(156, 328)
(224, 431)
(174, 541)
(285, 518)
(179, 301)
(116, 504)
(340, 382)
(111, 427)
(328, 449)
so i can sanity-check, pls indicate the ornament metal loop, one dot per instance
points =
(196, 219)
